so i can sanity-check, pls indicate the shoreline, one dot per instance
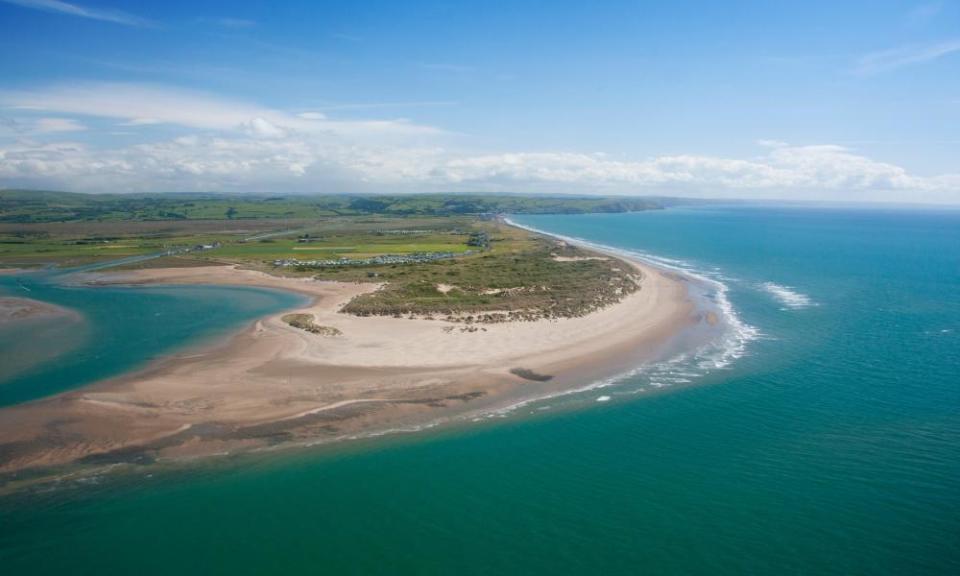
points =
(274, 385)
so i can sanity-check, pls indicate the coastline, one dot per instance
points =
(275, 384)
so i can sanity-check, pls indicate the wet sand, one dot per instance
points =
(273, 383)
(15, 309)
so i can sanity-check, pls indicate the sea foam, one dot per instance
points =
(787, 296)
(683, 368)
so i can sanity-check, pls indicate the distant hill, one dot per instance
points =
(53, 206)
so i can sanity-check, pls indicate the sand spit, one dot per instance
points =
(273, 383)
(14, 309)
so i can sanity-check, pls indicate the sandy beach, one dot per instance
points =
(273, 383)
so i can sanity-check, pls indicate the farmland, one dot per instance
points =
(42, 206)
(468, 267)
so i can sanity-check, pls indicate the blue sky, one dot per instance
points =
(805, 100)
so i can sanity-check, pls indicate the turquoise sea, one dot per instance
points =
(118, 328)
(820, 436)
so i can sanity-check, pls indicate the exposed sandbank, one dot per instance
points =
(276, 383)
(15, 309)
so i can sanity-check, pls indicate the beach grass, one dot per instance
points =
(521, 276)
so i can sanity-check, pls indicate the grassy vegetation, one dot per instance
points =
(512, 274)
(521, 276)
(305, 322)
(248, 242)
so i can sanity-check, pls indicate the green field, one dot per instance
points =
(511, 274)
(45, 206)
(353, 246)
(251, 242)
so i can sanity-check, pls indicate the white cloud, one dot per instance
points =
(252, 162)
(27, 126)
(153, 104)
(784, 168)
(56, 6)
(141, 122)
(375, 105)
(235, 146)
(261, 128)
(46, 125)
(888, 60)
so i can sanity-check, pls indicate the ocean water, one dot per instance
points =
(821, 437)
(117, 329)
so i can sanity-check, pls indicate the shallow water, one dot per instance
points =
(827, 445)
(120, 329)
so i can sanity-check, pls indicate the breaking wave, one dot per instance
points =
(684, 368)
(787, 296)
